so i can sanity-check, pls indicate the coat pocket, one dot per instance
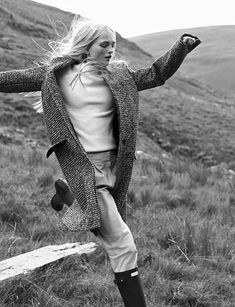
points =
(55, 146)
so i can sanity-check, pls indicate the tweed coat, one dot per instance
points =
(77, 168)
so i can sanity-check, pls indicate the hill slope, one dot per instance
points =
(212, 63)
(184, 116)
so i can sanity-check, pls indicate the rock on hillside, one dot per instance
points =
(184, 117)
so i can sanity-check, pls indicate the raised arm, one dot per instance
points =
(26, 80)
(164, 67)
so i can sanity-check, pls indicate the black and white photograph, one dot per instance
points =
(117, 153)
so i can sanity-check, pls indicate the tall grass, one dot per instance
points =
(181, 215)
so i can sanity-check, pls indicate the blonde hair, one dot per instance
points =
(75, 45)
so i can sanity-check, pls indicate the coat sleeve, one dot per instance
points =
(26, 80)
(165, 66)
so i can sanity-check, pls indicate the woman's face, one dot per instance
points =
(104, 47)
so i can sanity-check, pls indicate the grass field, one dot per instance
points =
(181, 215)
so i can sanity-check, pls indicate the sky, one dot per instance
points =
(132, 17)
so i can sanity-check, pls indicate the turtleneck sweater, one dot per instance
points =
(90, 107)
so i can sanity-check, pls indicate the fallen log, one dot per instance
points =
(24, 263)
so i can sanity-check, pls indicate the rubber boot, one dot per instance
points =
(130, 288)
(63, 195)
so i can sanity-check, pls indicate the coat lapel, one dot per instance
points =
(57, 97)
(116, 82)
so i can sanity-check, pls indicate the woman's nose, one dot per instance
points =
(111, 49)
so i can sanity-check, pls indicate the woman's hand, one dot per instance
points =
(191, 41)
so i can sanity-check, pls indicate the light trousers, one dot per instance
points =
(115, 235)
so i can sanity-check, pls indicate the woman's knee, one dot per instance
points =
(127, 246)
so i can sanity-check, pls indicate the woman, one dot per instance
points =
(90, 103)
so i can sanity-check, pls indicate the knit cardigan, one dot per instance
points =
(78, 170)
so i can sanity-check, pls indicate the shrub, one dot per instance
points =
(198, 173)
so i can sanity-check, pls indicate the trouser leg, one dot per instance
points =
(117, 239)
(116, 236)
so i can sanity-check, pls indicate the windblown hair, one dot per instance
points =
(75, 45)
(80, 37)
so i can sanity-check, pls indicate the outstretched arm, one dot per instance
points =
(164, 67)
(26, 80)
